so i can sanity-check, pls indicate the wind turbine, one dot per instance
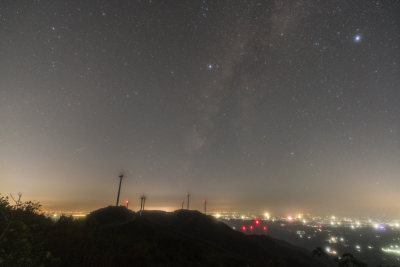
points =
(119, 188)
(142, 202)
(188, 198)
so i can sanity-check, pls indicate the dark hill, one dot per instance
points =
(115, 236)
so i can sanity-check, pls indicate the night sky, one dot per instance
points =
(279, 106)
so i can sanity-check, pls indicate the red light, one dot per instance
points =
(126, 201)
(244, 228)
(251, 227)
(265, 228)
(257, 222)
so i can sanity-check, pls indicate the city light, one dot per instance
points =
(390, 250)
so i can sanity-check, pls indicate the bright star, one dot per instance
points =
(210, 66)
(357, 38)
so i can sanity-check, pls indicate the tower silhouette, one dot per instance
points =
(188, 198)
(142, 202)
(119, 188)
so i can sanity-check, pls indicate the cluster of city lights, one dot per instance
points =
(56, 215)
(314, 227)
(393, 249)
(257, 225)
(330, 251)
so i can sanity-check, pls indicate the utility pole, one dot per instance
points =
(182, 202)
(188, 197)
(205, 206)
(119, 188)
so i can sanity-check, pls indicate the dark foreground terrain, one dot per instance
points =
(116, 236)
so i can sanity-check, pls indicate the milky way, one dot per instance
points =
(253, 105)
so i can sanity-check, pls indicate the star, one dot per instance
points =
(357, 38)
(210, 66)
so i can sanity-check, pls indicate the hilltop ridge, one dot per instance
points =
(116, 236)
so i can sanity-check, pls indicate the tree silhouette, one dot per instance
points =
(348, 260)
(319, 252)
(22, 232)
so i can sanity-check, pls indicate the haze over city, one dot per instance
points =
(278, 106)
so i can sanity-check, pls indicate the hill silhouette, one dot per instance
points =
(116, 236)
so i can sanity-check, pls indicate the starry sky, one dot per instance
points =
(253, 105)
